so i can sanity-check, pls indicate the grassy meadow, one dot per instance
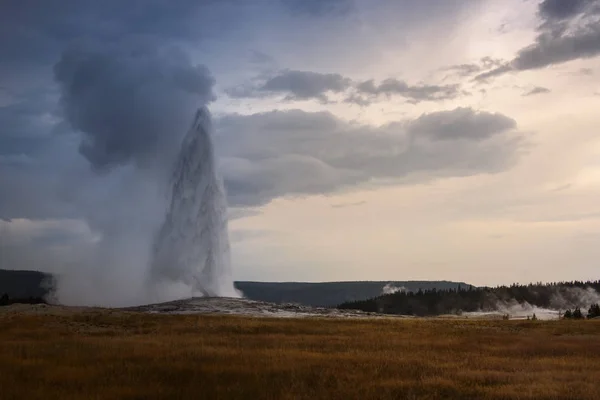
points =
(115, 355)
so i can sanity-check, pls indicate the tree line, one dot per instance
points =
(6, 300)
(558, 296)
(593, 312)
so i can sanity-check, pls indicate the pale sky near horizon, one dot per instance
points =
(358, 139)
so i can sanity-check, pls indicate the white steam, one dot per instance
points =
(574, 297)
(192, 247)
(389, 288)
(131, 102)
(562, 299)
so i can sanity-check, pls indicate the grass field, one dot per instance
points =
(111, 355)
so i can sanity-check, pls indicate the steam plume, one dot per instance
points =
(130, 104)
(192, 246)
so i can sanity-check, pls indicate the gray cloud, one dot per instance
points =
(130, 101)
(260, 58)
(305, 85)
(25, 124)
(346, 205)
(299, 153)
(295, 85)
(416, 93)
(585, 43)
(244, 235)
(494, 72)
(460, 123)
(537, 90)
(362, 101)
(569, 30)
(43, 244)
(27, 36)
(464, 70)
(557, 10)
(318, 8)
(127, 95)
(484, 64)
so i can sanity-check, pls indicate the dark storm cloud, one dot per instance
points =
(38, 30)
(537, 90)
(33, 34)
(129, 100)
(126, 94)
(105, 88)
(299, 153)
(295, 85)
(41, 172)
(569, 30)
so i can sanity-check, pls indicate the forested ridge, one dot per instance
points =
(556, 296)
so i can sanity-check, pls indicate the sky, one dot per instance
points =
(357, 139)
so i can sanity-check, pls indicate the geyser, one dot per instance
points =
(192, 245)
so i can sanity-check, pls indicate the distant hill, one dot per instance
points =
(24, 284)
(325, 294)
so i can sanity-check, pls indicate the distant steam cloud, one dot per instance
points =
(391, 289)
(574, 297)
(562, 298)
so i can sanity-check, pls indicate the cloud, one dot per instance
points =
(569, 30)
(305, 85)
(244, 235)
(537, 90)
(298, 153)
(460, 123)
(358, 100)
(242, 212)
(346, 205)
(415, 93)
(463, 70)
(258, 57)
(130, 101)
(43, 244)
(557, 10)
(15, 160)
(317, 8)
(583, 44)
(562, 187)
(484, 64)
(27, 36)
(26, 123)
(44, 232)
(494, 72)
(295, 85)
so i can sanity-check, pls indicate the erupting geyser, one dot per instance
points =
(192, 246)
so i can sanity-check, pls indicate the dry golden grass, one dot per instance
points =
(112, 355)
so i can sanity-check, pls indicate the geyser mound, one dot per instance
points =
(192, 247)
